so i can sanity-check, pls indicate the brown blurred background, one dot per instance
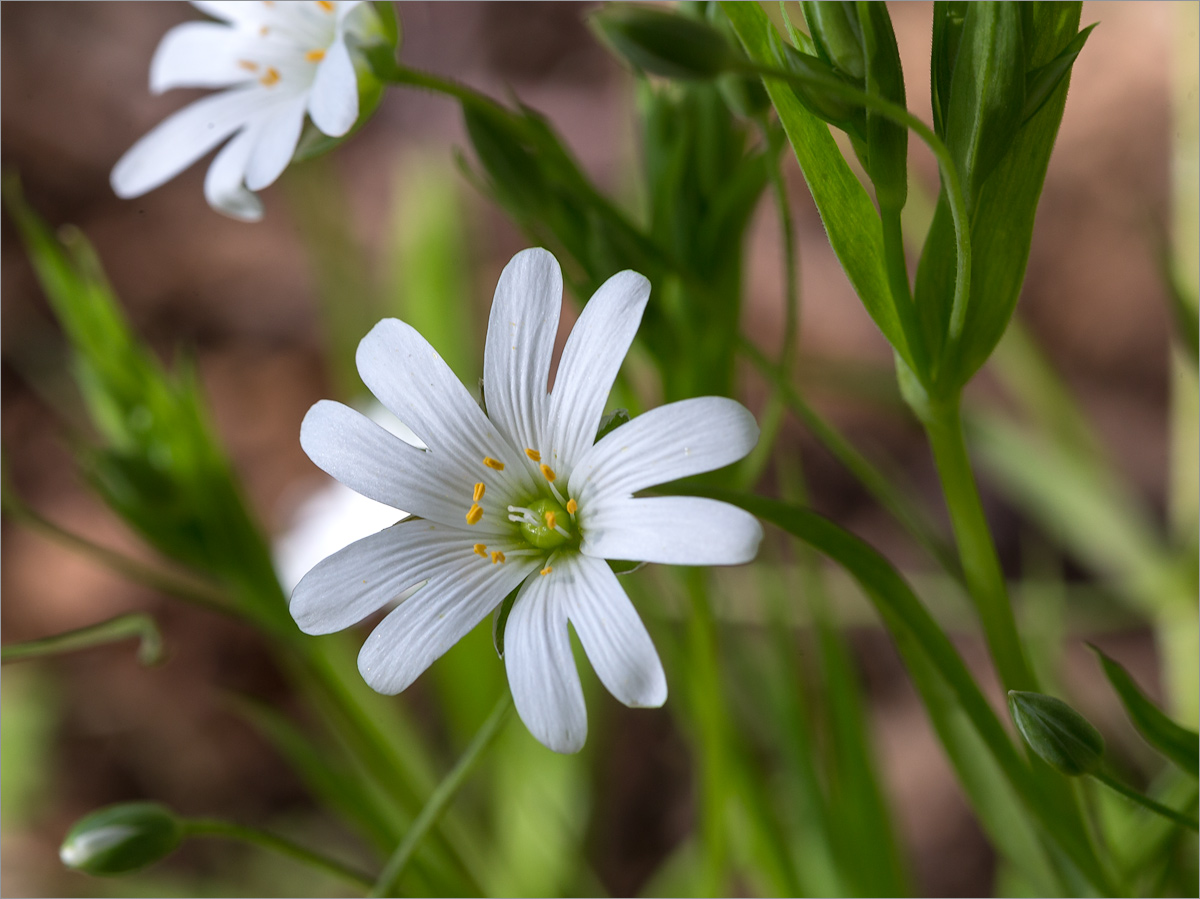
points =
(240, 299)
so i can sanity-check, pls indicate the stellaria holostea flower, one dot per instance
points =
(521, 496)
(279, 61)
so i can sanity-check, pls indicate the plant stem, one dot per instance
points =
(211, 827)
(388, 881)
(135, 624)
(1145, 801)
(897, 273)
(976, 550)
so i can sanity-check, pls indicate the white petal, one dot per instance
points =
(223, 184)
(369, 573)
(408, 376)
(673, 441)
(541, 669)
(197, 54)
(612, 634)
(333, 102)
(367, 459)
(181, 139)
(279, 134)
(670, 530)
(436, 617)
(589, 365)
(520, 342)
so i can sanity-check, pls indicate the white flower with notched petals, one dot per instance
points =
(279, 61)
(522, 496)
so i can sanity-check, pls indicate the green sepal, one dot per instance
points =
(1060, 736)
(610, 422)
(121, 838)
(1040, 83)
(815, 73)
(500, 620)
(1180, 745)
(664, 43)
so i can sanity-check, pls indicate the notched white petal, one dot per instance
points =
(197, 54)
(333, 100)
(224, 186)
(670, 530)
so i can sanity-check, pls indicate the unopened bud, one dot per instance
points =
(835, 31)
(121, 838)
(663, 43)
(1062, 737)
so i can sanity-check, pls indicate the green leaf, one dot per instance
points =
(948, 19)
(887, 141)
(664, 43)
(847, 212)
(1040, 83)
(1180, 745)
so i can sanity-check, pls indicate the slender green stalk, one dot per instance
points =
(708, 709)
(903, 509)
(976, 550)
(1145, 801)
(897, 272)
(194, 592)
(211, 827)
(950, 179)
(389, 878)
(135, 624)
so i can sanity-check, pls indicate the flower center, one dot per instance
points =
(545, 524)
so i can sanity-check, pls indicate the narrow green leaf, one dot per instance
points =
(1040, 83)
(134, 624)
(1180, 745)
(851, 222)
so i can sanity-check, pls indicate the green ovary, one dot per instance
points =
(542, 535)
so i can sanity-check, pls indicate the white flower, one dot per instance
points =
(521, 496)
(279, 61)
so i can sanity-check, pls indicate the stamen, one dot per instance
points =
(264, 30)
(497, 557)
(572, 506)
(325, 5)
(547, 472)
(494, 464)
(545, 571)
(248, 65)
(271, 78)
(314, 55)
(534, 455)
(481, 550)
(474, 513)
(562, 532)
(479, 488)
(550, 522)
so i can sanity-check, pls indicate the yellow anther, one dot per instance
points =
(480, 550)
(547, 472)
(551, 520)
(314, 55)
(248, 65)
(325, 5)
(534, 455)
(545, 571)
(493, 463)
(264, 30)
(478, 494)
(497, 557)
(572, 506)
(271, 78)
(474, 513)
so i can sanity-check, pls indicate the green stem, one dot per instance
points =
(211, 827)
(1145, 801)
(135, 624)
(976, 550)
(708, 709)
(388, 881)
(950, 180)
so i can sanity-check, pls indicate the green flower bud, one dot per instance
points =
(666, 44)
(1061, 736)
(121, 838)
(820, 101)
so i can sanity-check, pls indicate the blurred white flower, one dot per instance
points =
(278, 61)
(522, 496)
